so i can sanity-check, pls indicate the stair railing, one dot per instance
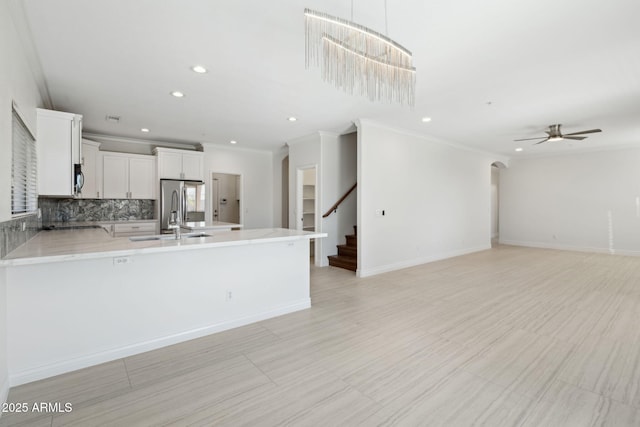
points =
(334, 208)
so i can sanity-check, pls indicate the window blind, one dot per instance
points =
(24, 196)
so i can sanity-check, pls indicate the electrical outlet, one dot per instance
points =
(121, 260)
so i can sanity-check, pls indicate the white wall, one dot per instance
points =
(278, 187)
(4, 368)
(339, 170)
(17, 84)
(436, 199)
(585, 201)
(256, 168)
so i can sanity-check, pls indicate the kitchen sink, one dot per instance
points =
(167, 237)
(188, 235)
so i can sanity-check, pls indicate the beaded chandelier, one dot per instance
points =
(359, 60)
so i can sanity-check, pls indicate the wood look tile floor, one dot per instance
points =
(505, 337)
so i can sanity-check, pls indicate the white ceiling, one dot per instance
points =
(537, 62)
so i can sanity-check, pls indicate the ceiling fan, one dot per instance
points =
(554, 134)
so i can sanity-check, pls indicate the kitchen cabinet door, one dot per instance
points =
(55, 133)
(141, 178)
(192, 165)
(180, 164)
(170, 165)
(115, 176)
(90, 159)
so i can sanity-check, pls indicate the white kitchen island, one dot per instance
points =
(76, 298)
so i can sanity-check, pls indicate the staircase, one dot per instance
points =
(347, 257)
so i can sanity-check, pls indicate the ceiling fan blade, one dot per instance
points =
(544, 140)
(530, 139)
(577, 138)
(583, 132)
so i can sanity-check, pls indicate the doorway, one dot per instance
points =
(285, 192)
(495, 202)
(226, 200)
(306, 206)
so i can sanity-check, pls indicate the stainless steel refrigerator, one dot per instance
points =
(186, 198)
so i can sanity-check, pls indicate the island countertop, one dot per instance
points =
(69, 245)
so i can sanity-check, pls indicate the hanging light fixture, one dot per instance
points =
(359, 60)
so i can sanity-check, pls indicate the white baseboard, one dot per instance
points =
(418, 261)
(4, 392)
(564, 247)
(18, 378)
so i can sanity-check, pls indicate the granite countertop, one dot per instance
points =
(92, 243)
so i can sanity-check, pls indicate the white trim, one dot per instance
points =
(18, 378)
(21, 116)
(561, 247)
(418, 261)
(4, 392)
(576, 151)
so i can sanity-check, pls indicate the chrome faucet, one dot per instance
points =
(174, 218)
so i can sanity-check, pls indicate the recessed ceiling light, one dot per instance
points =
(144, 130)
(426, 119)
(177, 94)
(519, 149)
(199, 69)
(233, 142)
(292, 119)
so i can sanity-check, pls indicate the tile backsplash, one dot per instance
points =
(67, 210)
(12, 234)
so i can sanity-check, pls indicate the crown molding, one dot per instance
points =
(577, 152)
(495, 156)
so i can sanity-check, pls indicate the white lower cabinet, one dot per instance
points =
(134, 229)
(128, 176)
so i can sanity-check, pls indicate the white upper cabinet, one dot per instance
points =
(58, 149)
(92, 174)
(128, 176)
(180, 164)
(169, 165)
(142, 177)
(192, 166)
